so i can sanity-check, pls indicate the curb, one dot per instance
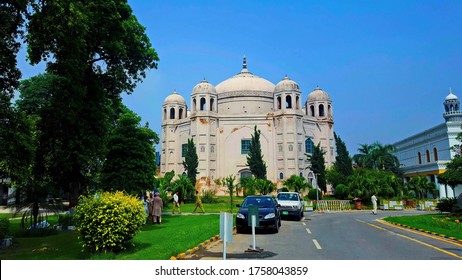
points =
(427, 232)
(190, 252)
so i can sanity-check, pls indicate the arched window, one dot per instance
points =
(281, 176)
(165, 114)
(435, 154)
(202, 148)
(289, 102)
(312, 110)
(194, 104)
(419, 156)
(172, 113)
(297, 102)
(310, 178)
(329, 111)
(203, 106)
(291, 148)
(280, 148)
(181, 113)
(245, 174)
(301, 174)
(279, 102)
(321, 110)
(212, 104)
(428, 155)
(308, 146)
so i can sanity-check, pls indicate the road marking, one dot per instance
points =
(303, 223)
(308, 230)
(317, 244)
(412, 239)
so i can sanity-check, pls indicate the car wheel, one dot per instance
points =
(300, 216)
(276, 226)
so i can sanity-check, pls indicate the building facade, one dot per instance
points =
(426, 153)
(222, 118)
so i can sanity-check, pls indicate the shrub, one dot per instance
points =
(284, 189)
(447, 205)
(341, 191)
(66, 220)
(264, 186)
(4, 227)
(312, 194)
(209, 197)
(108, 222)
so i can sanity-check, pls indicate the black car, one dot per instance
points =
(269, 216)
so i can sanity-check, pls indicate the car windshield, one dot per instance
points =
(261, 202)
(287, 196)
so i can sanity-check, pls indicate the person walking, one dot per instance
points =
(198, 203)
(374, 204)
(176, 203)
(157, 209)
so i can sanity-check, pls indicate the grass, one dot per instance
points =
(446, 224)
(175, 235)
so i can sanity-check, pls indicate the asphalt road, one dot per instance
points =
(353, 235)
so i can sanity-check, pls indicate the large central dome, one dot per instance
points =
(245, 81)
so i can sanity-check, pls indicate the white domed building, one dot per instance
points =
(222, 118)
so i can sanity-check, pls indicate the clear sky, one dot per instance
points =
(387, 65)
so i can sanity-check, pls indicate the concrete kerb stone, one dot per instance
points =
(202, 245)
(426, 231)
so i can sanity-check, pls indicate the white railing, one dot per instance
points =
(333, 205)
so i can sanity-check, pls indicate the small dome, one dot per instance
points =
(451, 96)
(204, 87)
(318, 95)
(286, 85)
(174, 98)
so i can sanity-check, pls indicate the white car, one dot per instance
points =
(292, 204)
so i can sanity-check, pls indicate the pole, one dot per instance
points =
(317, 196)
(224, 236)
(254, 222)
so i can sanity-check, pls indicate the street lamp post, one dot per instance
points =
(317, 196)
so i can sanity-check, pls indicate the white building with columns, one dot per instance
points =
(221, 120)
(426, 153)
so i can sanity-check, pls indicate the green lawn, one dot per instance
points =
(449, 225)
(175, 235)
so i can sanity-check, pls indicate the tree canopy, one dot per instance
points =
(191, 161)
(255, 160)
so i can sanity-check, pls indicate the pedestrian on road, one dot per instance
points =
(198, 203)
(157, 209)
(176, 203)
(374, 204)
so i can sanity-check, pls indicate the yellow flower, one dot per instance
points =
(457, 221)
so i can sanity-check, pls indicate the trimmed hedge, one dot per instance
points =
(107, 222)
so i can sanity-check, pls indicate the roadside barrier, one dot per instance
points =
(333, 205)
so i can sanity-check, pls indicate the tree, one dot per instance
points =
(191, 161)
(419, 187)
(318, 166)
(99, 50)
(296, 183)
(364, 158)
(264, 186)
(11, 29)
(255, 160)
(453, 174)
(228, 182)
(130, 163)
(343, 162)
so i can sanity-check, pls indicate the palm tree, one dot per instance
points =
(364, 158)
(420, 186)
(296, 183)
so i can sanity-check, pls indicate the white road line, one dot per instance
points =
(308, 230)
(303, 223)
(317, 244)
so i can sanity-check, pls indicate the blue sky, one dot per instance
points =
(387, 65)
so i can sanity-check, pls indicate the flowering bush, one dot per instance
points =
(108, 221)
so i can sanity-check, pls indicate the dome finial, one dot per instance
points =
(450, 90)
(244, 64)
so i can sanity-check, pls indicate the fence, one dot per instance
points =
(333, 205)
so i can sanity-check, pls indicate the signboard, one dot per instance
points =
(226, 227)
(253, 211)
